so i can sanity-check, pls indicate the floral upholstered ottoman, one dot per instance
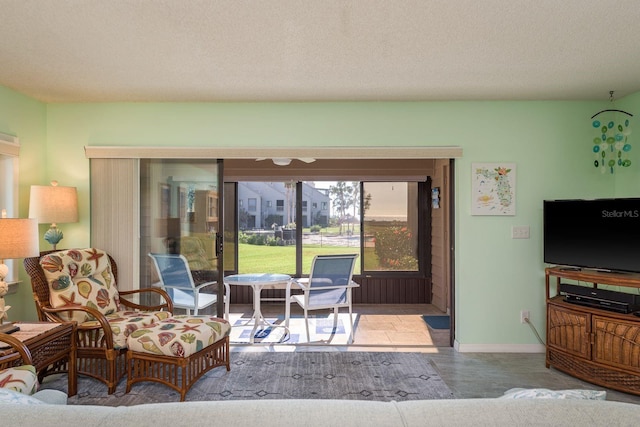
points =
(177, 351)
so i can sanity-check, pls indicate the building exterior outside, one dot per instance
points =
(269, 205)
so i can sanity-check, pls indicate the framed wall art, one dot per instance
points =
(493, 189)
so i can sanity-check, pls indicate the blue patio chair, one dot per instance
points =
(176, 279)
(328, 287)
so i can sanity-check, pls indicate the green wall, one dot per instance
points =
(628, 184)
(25, 118)
(496, 276)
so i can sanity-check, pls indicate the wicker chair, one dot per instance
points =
(98, 355)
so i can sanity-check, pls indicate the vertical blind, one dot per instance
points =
(115, 215)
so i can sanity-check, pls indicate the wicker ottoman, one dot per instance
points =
(177, 351)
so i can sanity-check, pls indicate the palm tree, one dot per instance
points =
(342, 199)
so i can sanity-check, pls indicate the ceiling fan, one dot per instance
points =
(285, 161)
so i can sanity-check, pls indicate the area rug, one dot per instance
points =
(322, 330)
(437, 322)
(373, 376)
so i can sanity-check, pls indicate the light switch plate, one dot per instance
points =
(520, 232)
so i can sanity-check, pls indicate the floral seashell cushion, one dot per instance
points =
(22, 379)
(124, 323)
(179, 336)
(81, 277)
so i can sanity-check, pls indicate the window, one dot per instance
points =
(265, 242)
(337, 235)
(385, 233)
(314, 205)
(324, 206)
(252, 205)
(7, 185)
(391, 226)
(9, 150)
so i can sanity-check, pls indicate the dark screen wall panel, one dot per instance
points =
(372, 290)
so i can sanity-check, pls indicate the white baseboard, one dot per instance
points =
(498, 348)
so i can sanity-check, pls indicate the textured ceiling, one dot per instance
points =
(319, 50)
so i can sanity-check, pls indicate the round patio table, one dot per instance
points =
(258, 282)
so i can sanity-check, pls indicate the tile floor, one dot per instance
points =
(390, 327)
(469, 375)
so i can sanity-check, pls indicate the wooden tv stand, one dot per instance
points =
(595, 345)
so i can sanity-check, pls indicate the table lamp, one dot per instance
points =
(53, 204)
(18, 239)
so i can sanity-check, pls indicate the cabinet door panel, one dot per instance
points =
(616, 343)
(569, 331)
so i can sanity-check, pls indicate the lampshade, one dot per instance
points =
(18, 238)
(53, 204)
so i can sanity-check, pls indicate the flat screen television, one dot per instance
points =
(602, 234)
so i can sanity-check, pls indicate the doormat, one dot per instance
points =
(437, 322)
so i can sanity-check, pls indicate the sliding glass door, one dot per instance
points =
(181, 212)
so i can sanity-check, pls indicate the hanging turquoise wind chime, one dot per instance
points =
(611, 143)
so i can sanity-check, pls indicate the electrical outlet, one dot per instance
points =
(520, 232)
(524, 316)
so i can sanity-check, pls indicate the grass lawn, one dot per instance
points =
(282, 259)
